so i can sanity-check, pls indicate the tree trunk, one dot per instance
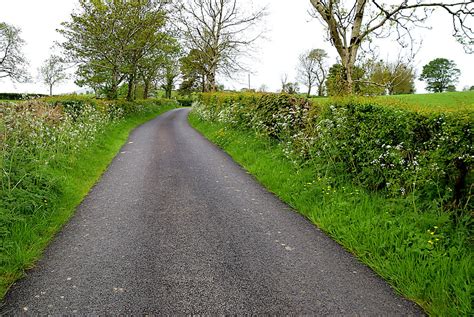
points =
(212, 81)
(130, 88)
(168, 89)
(112, 92)
(50, 90)
(320, 90)
(146, 88)
(309, 91)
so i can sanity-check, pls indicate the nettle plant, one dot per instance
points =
(386, 149)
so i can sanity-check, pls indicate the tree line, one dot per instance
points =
(130, 47)
(370, 77)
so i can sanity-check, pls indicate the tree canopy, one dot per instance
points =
(221, 32)
(312, 70)
(350, 24)
(440, 74)
(112, 40)
(53, 72)
(13, 63)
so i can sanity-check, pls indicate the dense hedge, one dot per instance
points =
(386, 149)
(39, 136)
(17, 96)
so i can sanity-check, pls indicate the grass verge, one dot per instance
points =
(423, 255)
(30, 235)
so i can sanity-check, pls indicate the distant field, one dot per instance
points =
(446, 102)
(440, 102)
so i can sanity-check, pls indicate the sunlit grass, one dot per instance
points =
(426, 257)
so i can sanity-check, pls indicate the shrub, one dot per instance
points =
(386, 149)
(17, 96)
(36, 135)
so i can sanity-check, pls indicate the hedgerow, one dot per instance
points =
(396, 152)
(39, 141)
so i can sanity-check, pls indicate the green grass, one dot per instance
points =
(32, 234)
(426, 103)
(424, 256)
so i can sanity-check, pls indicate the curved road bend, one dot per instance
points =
(175, 226)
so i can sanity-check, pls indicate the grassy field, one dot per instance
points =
(423, 255)
(26, 231)
(441, 102)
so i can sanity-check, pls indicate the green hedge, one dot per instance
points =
(17, 96)
(383, 148)
(36, 135)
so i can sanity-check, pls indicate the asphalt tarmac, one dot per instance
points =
(176, 227)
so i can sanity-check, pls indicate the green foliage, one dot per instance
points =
(425, 256)
(290, 88)
(193, 68)
(18, 96)
(385, 149)
(440, 74)
(117, 41)
(52, 152)
(336, 82)
(390, 78)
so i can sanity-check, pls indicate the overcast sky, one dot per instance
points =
(290, 32)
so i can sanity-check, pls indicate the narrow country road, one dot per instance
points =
(175, 226)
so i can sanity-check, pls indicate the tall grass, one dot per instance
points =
(424, 255)
(51, 155)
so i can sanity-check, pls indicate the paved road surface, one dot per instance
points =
(175, 226)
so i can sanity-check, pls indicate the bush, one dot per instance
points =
(37, 135)
(185, 101)
(386, 149)
(17, 96)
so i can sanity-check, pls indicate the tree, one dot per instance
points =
(336, 84)
(439, 74)
(193, 71)
(52, 72)
(221, 31)
(351, 23)
(160, 63)
(391, 78)
(170, 73)
(290, 88)
(110, 39)
(13, 63)
(312, 70)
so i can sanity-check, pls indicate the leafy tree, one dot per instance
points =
(221, 31)
(439, 74)
(159, 64)
(389, 78)
(312, 70)
(52, 72)
(290, 88)
(170, 74)
(351, 23)
(110, 40)
(336, 84)
(193, 69)
(451, 88)
(13, 63)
